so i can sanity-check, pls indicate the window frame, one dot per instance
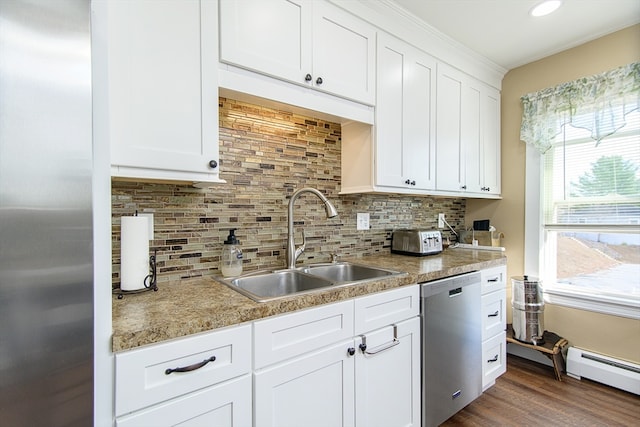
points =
(534, 253)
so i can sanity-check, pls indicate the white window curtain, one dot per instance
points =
(597, 103)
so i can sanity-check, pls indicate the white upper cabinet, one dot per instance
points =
(398, 154)
(308, 43)
(468, 135)
(162, 92)
(490, 154)
(481, 118)
(271, 37)
(405, 116)
(449, 152)
(343, 54)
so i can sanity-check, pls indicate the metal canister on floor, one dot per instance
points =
(528, 309)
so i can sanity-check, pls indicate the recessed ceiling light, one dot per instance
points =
(545, 8)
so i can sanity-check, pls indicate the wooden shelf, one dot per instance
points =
(552, 348)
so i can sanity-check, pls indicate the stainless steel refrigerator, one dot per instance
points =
(46, 247)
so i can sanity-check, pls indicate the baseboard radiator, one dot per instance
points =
(603, 369)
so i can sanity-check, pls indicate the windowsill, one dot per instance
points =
(606, 304)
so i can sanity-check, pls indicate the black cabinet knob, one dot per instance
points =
(464, 187)
(407, 182)
(307, 78)
(319, 81)
(213, 164)
(413, 183)
(351, 351)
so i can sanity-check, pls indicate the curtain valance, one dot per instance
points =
(597, 103)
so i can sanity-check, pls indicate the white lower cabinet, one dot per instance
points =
(302, 380)
(186, 381)
(494, 324)
(388, 367)
(311, 390)
(388, 376)
(224, 405)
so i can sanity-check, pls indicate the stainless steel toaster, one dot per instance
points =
(416, 242)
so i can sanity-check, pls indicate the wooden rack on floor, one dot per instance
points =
(552, 348)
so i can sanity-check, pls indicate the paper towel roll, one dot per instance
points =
(134, 252)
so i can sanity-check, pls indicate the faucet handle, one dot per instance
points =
(302, 247)
(334, 257)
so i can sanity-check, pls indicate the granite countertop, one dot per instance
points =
(202, 304)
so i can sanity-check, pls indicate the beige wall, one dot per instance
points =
(615, 336)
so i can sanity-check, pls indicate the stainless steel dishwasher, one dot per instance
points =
(451, 346)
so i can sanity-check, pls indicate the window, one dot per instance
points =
(591, 214)
(582, 231)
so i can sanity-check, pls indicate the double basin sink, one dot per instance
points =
(268, 285)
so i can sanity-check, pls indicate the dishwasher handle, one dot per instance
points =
(455, 292)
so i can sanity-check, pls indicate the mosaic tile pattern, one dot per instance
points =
(265, 155)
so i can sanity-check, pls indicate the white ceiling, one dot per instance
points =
(505, 33)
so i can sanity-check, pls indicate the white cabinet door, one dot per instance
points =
(343, 54)
(225, 405)
(490, 163)
(405, 116)
(388, 377)
(162, 89)
(468, 135)
(450, 163)
(309, 43)
(314, 390)
(481, 137)
(272, 37)
(471, 129)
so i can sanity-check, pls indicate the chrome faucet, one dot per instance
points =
(292, 252)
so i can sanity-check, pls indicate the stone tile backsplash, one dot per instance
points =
(265, 155)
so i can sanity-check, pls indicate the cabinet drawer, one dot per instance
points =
(141, 378)
(493, 279)
(282, 337)
(493, 314)
(384, 308)
(227, 404)
(494, 359)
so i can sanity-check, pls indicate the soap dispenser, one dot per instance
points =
(231, 258)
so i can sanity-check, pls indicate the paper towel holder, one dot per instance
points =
(150, 281)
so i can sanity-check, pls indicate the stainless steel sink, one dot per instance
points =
(268, 285)
(264, 286)
(347, 272)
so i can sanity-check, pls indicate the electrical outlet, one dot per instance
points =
(440, 220)
(362, 221)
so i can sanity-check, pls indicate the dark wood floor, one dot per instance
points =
(529, 395)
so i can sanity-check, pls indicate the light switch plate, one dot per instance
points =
(362, 221)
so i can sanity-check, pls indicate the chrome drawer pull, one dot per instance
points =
(495, 359)
(494, 314)
(382, 347)
(190, 367)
